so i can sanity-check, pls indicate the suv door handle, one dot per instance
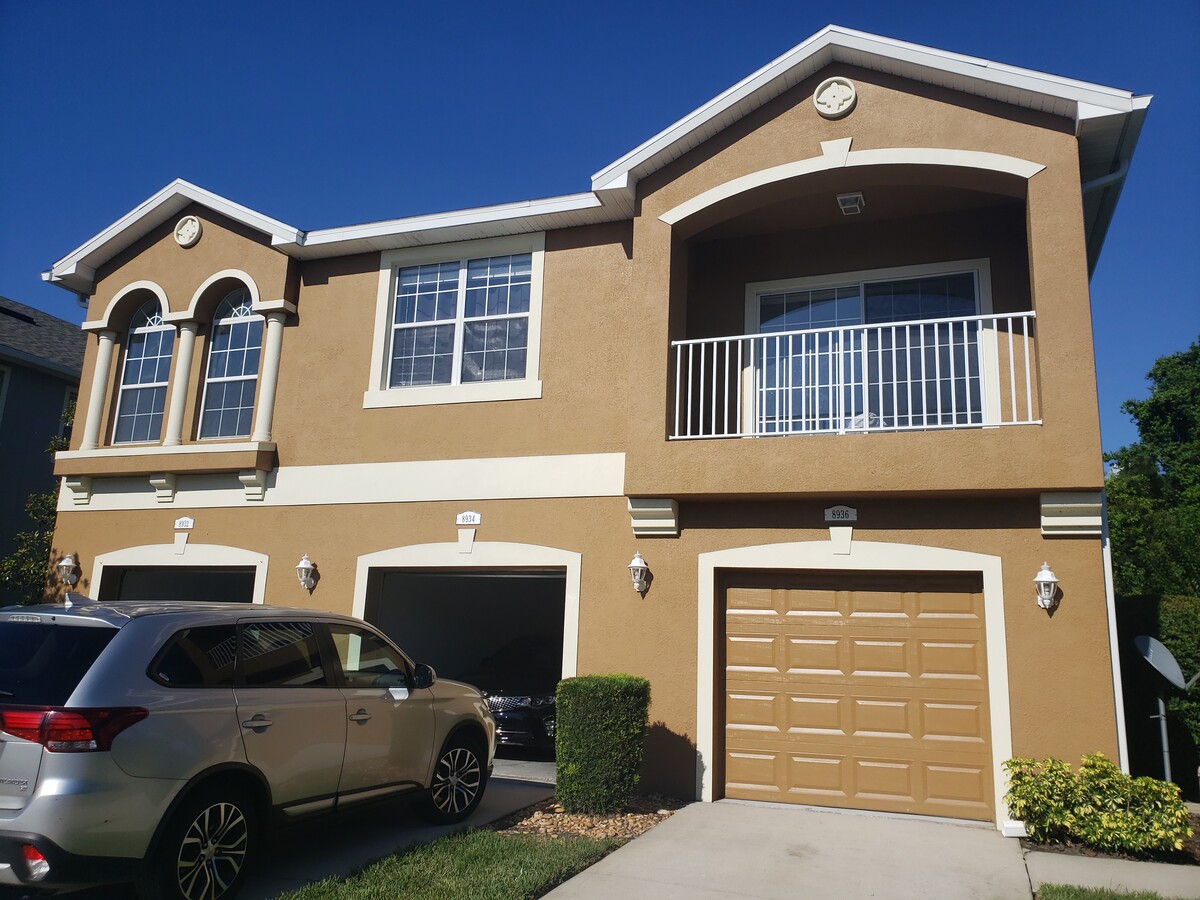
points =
(257, 722)
(361, 716)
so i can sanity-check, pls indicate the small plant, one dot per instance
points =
(601, 728)
(1099, 805)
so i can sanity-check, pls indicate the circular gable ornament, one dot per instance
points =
(187, 231)
(835, 97)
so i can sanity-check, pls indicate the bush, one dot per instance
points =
(1179, 630)
(601, 727)
(1099, 805)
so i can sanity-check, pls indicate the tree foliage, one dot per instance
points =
(26, 574)
(1154, 492)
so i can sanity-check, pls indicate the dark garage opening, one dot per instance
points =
(499, 630)
(233, 584)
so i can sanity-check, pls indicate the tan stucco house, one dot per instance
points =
(820, 352)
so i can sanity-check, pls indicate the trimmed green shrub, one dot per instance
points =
(1099, 805)
(601, 727)
(1179, 630)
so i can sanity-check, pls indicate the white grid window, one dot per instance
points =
(144, 377)
(232, 375)
(460, 322)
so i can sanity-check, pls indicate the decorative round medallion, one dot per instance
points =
(187, 231)
(835, 97)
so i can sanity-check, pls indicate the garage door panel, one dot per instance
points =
(870, 698)
(957, 656)
(860, 781)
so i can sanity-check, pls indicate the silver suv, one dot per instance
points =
(155, 741)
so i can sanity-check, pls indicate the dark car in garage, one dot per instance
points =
(518, 682)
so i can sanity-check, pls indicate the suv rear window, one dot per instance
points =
(41, 665)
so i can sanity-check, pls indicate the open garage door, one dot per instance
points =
(499, 630)
(233, 584)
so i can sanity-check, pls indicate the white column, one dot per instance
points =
(180, 390)
(269, 377)
(95, 409)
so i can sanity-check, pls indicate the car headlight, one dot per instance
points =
(541, 702)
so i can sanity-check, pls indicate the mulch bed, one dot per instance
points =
(547, 818)
(1188, 856)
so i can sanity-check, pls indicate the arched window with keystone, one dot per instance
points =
(231, 378)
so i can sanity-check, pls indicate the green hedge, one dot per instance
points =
(1179, 630)
(1099, 805)
(601, 727)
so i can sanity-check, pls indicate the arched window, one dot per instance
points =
(144, 376)
(229, 384)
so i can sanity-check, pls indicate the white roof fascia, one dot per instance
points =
(76, 270)
(1100, 100)
(506, 212)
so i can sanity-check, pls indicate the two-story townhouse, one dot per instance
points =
(820, 352)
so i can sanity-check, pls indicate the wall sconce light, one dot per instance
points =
(640, 573)
(1046, 583)
(304, 571)
(67, 570)
(851, 204)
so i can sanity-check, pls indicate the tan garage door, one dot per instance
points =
(859, 690)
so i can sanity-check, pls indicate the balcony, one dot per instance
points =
(949, 373)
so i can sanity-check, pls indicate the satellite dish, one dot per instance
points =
(1160, 657)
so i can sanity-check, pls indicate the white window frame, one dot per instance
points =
(122, 387)
(226, 379)
(379, 396)
(981, 268)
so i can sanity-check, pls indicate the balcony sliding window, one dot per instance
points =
(818, 371)
(144, 375)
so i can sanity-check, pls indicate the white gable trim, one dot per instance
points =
(1022, 87)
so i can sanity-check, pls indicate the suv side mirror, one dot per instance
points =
(423, 676)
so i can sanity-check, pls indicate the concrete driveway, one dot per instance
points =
(735, 849)
(732, 849)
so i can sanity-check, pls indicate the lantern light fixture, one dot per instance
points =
(304, 571)
(1046, 583)
(68, 571)
(639, 572)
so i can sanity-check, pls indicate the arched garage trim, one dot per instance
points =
(184, 554)
(863, 556)
(838, 155)
(484, 555)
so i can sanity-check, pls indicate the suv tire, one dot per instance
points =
(459, 778)
(206, 848)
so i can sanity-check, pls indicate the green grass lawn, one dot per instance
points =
(478, 864)
(1067, 892)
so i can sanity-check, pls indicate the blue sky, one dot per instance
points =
(325, 114)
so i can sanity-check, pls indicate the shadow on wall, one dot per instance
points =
(670, 763)
(1142, 686)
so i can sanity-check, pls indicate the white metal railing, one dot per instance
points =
(965, 372)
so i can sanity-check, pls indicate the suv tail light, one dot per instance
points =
(70, 730)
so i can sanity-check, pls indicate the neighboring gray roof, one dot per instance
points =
(34, 338)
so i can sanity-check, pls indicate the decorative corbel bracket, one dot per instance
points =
(654, 516)
(164, 486)
(80, 487)
(254, 481)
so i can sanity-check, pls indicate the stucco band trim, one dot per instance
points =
(182, 553)
(485, 555)
(505, 478)
(863, 556)
(837, 154)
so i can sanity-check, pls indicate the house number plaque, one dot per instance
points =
(841, 514)
(185, 523)
(469, 518)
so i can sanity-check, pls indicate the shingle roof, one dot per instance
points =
(32, 337)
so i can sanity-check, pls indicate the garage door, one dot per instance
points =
(204, 583)
(858, 690)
